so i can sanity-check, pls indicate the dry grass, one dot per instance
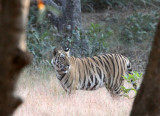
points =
(43, 96)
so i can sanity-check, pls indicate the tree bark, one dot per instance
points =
(147, 101)
(13, 55)
(70, 15)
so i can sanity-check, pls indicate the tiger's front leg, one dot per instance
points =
(67, 90)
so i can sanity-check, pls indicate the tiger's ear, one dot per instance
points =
(67, 50)
(55, 51)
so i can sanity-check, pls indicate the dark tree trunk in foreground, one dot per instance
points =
(147, 101)
(13, 55)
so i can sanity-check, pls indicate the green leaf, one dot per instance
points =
(125, 95)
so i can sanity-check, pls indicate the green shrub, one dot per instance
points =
(98, 39)
(137, 26)
(132, 79)
(92, 5)
(39, 35)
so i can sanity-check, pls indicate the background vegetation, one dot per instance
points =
(124, 26)
(94, 5)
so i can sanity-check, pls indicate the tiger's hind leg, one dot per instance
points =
(114, 92)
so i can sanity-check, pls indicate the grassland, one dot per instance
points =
(43, 96)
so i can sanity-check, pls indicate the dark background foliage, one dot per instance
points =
(109, 26)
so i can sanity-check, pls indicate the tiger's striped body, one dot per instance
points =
(91, 73)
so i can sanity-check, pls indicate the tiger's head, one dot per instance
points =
(61, 60)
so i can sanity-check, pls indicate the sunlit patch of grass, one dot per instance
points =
(44, 96)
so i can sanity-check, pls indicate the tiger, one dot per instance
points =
(90, 73)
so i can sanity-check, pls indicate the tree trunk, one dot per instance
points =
(70, 15)
(13, 55)
(147, 101)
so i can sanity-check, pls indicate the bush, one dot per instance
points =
(92, 5)
(98, 39)
(39, 39)
(137, 26)
(131, 78)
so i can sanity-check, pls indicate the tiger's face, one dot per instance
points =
(61, 60)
